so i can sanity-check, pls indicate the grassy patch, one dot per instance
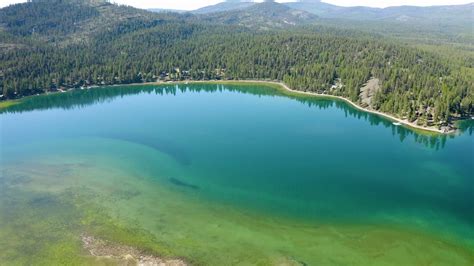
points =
(9, 103)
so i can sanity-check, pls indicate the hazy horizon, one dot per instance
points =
(195, 4)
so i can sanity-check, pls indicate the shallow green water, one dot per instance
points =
(230, 174)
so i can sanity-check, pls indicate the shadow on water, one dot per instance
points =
(161, 145)
(47, 200)
(83, 98)
(180, 183)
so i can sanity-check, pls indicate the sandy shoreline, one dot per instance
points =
(286, 88)
(395, 119)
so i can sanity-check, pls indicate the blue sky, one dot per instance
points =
(194, 4)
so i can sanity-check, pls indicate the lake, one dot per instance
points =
(230, 174)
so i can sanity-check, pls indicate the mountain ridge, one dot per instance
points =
(458, 13)
(265, 15)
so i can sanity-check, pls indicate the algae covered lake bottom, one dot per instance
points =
(229, 175)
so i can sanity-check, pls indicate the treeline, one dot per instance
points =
(415, 84)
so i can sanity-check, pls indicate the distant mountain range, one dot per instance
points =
(398, 13)
(224, 6)
(264, 15)
(452, 15)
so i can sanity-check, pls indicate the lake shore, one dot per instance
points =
(280, 85)
(391, 117)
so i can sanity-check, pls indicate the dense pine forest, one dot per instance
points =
(62, 44)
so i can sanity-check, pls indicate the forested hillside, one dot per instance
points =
(263, 16)
(447, 24)
(61, 44)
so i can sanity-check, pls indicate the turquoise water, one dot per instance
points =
(251, 149)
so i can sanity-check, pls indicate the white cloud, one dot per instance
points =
(9, 2)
